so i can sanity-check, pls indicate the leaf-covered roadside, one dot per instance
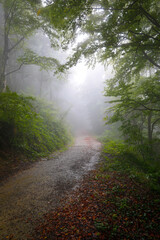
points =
(108, 205)
(12, 162)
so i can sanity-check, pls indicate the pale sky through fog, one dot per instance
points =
(43, 2)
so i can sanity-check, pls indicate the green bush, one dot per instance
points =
(126, 159)
(30, 126)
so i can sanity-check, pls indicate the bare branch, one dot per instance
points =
(15, 69)
(18, 42)
(153, 124)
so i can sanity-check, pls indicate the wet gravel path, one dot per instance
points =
(25, 197)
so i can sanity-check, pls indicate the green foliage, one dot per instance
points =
(136, 107)
(112, 133)
(21, 21)
(126, 159)
(64, 14)
(121, 30)
(30, 126)
(45, 63)
(127, 33)
(21, 18)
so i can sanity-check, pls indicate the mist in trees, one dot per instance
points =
(45, 59)
(71, 68)
(125, 34)
(29, 56)
(83, 99)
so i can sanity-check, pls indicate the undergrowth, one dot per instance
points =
(30, 126)
(124, 158)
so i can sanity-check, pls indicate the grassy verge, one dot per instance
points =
(125, 159)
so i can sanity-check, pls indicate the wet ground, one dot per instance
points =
(28, 195)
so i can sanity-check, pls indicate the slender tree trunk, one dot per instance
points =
(150, 128)
(3, 82)
(141, 128)
(40, 87)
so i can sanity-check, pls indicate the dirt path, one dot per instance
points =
(33, 192)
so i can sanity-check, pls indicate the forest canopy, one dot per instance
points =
(114, 28)
(125, 34)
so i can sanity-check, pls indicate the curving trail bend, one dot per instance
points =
(28, 195)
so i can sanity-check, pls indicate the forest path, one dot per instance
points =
(28, 195)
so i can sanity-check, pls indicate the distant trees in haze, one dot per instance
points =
(127, 35)
(19, 21)
(123, 33)
(92, 94)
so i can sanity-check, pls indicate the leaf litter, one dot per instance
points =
(105, 206)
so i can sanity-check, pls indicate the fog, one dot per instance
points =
(82, 98)
(78, 94)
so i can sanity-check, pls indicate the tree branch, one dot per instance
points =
(20, 40)
(15, 69)
(137, 107)
(12, 7)
(153, 124)
(144, 34)
(150, 18)
(147, 109)
(151, 60)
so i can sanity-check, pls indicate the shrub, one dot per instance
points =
(30, 125)
(127, 159)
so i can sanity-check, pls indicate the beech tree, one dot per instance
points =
(114, 28)
(20, 21)
(137, 107)
(125, 34)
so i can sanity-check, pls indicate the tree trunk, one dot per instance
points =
(141, 128)
(150, 128)
(3, 82)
